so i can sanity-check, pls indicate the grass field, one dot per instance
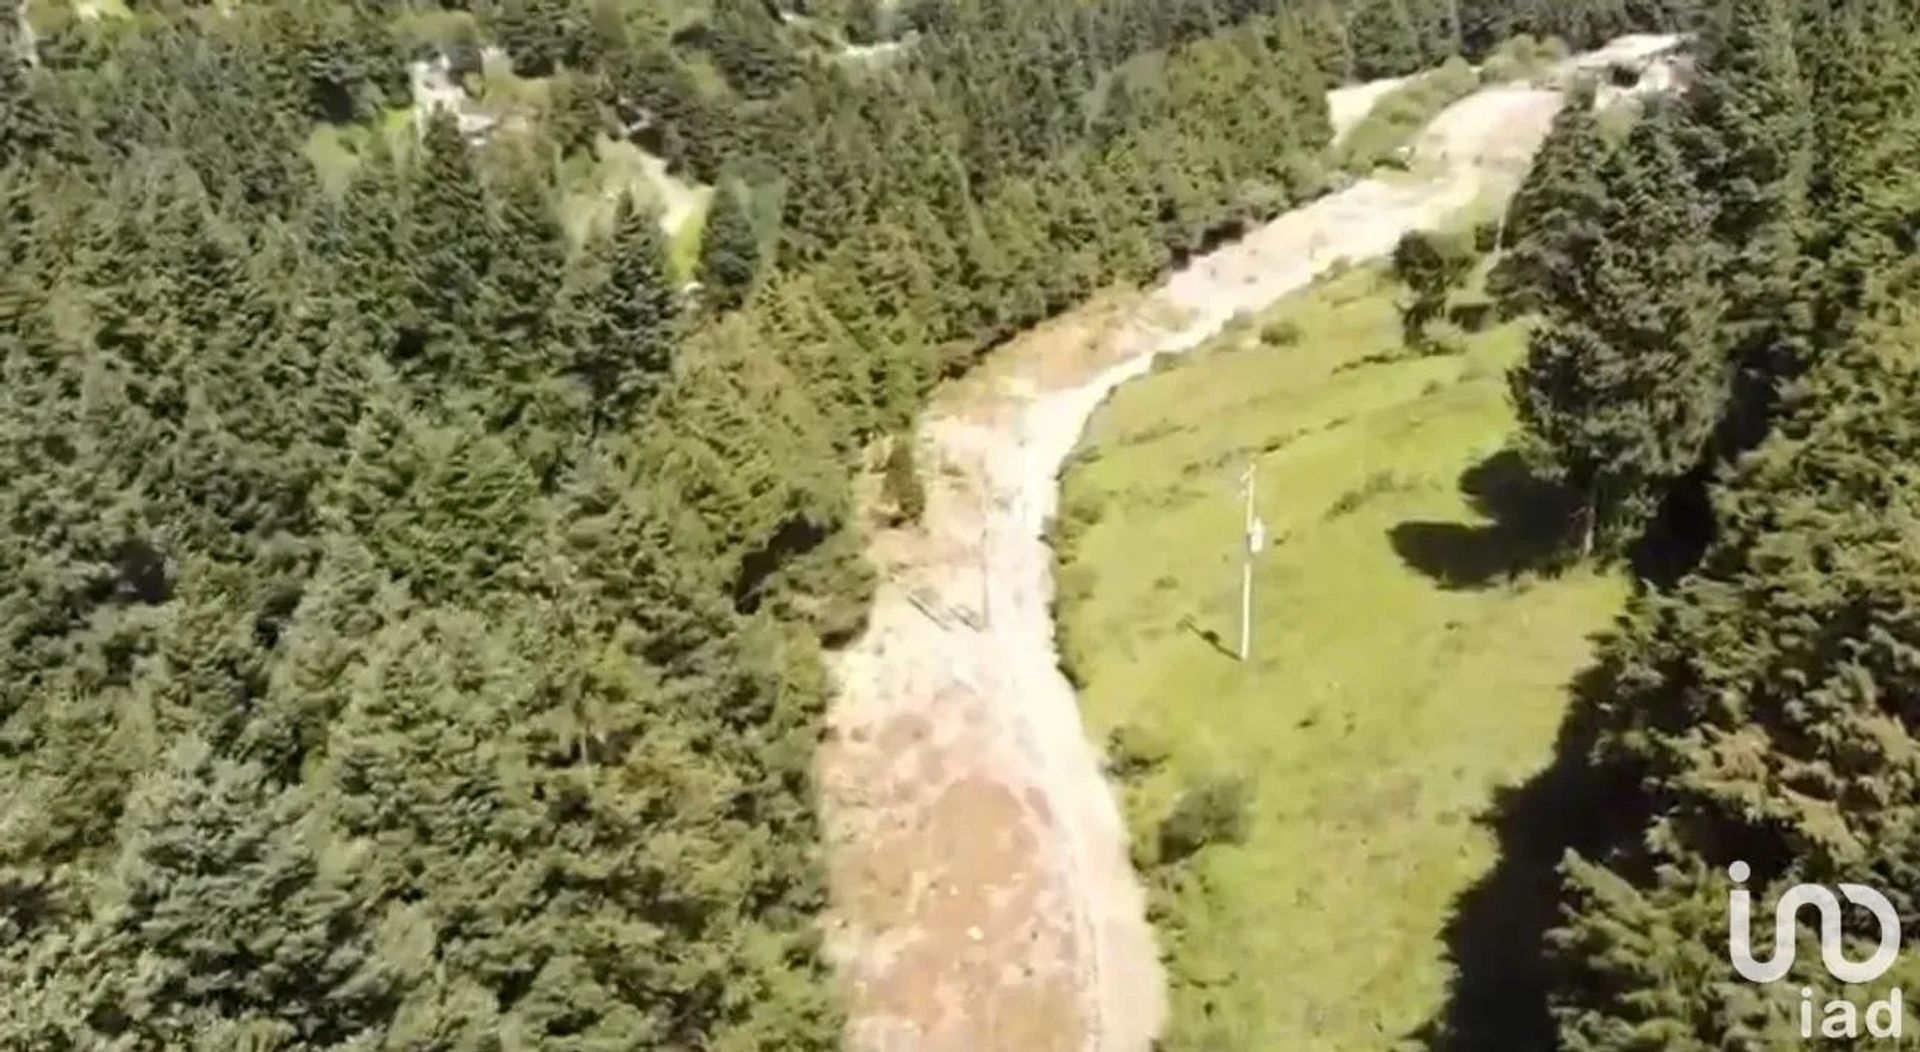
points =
(1403, 672)
(1396, 120)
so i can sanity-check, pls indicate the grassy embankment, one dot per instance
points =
(1384, 135)
(1307, 821)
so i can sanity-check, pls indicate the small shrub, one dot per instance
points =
(1074, 583)
(1486, 236)
(900, 485)
(1073, 659)
(1430, 263)
(1442, 339)
(1377, 484)
(1432, 266)
(1281, 332)
(1133, 751)
(1080, 511)
(1211, 811)
(1472, 316)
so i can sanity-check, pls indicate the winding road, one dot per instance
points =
(983, 900)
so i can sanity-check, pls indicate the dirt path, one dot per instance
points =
(983, 898)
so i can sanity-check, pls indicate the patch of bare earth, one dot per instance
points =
(955, 927)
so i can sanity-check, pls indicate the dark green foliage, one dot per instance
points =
(1760, 707)
(540, 35)
(1212, 811)
(1624, 381)
(1764, 704)
(743, 37)
(374, 672)
(1431, 266)
(620, 318)
(574, 116)
(1754, 111)
(1324, 29)
(1865, 194)
(409, 618)
(1387, 39)
(731, 248)
(1282, 332)
(22, 122)
(900, 482)
(449, 248)
(1553, 224)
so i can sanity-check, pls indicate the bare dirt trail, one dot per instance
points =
(983, 897)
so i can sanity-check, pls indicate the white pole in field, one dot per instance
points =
(1254, 540)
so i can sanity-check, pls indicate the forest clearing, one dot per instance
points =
(1385, 712)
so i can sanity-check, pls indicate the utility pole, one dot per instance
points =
(1256, 541)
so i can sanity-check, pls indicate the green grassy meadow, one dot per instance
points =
(1406, 667)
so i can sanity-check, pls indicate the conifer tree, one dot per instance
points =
(540, 35)
(1622, 388)
(1385, 40)
(744, 39)
(1754, 138)
(1864, 191)
(731, 247)
(791, 315)
(1553, 223)
(901, 483)
(516, 313)
(1326, 39)
(449, 245)
(1431, 267)
(1761, 707)
(621, 317)
(23, 125)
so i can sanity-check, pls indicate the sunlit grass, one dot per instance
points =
(1384, 135)
(1383, 709)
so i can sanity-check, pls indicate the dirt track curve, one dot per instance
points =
(983, 898)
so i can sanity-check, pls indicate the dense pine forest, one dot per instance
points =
(1725, 380)
(412, 605)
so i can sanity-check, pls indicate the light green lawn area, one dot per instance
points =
(1382, 710)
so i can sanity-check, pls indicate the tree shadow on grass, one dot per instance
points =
(1496, 933)
(1528, 528)
(1206, 635)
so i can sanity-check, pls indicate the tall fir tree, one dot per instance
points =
(1623, 387)
(1752, 116)
(1553, 224)
(621, 313)
(731, 248)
